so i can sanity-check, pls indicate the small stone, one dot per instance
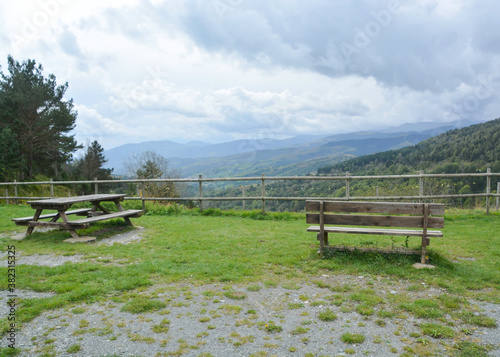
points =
(423, 266)
(80, 240)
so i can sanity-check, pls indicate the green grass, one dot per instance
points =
(353, 338)
(142, 305)
(327, 315)
(247, 247)
(437, 330)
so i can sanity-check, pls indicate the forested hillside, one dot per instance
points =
(461, 150)
(36, 124)
(471, 149)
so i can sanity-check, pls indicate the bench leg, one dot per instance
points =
(323, 241)
(74, 234)
(35, 218)
(425, 243)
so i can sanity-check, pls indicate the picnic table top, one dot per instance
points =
(76, 199)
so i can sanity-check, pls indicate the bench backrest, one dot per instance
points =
(384, 214)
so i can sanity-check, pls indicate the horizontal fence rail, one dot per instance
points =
(200, 198)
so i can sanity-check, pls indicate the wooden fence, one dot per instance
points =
(200, 198)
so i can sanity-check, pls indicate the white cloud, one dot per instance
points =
(188, 70)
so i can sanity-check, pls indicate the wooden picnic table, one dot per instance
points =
(62, 205)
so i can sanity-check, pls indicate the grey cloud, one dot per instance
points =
(418, 49)
(69, 44)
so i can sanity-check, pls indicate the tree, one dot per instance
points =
(91, 165)
(9, 155)
(34, 109)
(150, 165)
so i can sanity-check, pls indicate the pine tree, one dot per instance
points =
(91, 165)
(33, 108)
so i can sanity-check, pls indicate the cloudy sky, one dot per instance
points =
(219, 70)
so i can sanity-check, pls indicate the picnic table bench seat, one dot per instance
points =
(399, 219)
(125, 214)
(23, 221)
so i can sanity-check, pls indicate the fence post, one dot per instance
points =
(488, 189)
(7, 196)
(263, 195)
(51, 188)
(200, 205)
(96, 186)
(347, 186)
(498, 195)
(421, 185)
(243, 190)
(15, 192)
(138, 187)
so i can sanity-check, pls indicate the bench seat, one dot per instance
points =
(25, 220)
(85, 221)
(377, 231)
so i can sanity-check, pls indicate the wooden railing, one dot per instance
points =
(200, 198)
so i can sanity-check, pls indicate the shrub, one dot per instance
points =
(327, 315)
(138, 306)
(353, 338)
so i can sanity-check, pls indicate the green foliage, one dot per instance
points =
(470, 349)
(33, 108)
(353, 338)
(89, 167)
(10, 161)
(466, 150)
(9, 352)
(436, 330)
(423, 308)
(176, 209)
(151, 166)
(142, 305)
(327, 315)
(272, 327)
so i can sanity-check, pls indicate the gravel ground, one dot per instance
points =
(227, 319)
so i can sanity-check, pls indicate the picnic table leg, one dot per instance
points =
(119, 206)
(120, 209)
(35, 218)
(72, 231)
(97, 205)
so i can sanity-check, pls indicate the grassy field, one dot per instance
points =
(241, 247)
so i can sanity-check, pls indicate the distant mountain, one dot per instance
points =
(460, 150)
(177, 153)
(293, 156)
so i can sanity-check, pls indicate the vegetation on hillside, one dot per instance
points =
(36, 122)
(467, 150)
(470, 149)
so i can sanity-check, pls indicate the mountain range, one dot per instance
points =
(293, 156)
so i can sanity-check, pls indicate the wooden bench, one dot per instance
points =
(402, 219)
(24, 221)
(85, 222)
